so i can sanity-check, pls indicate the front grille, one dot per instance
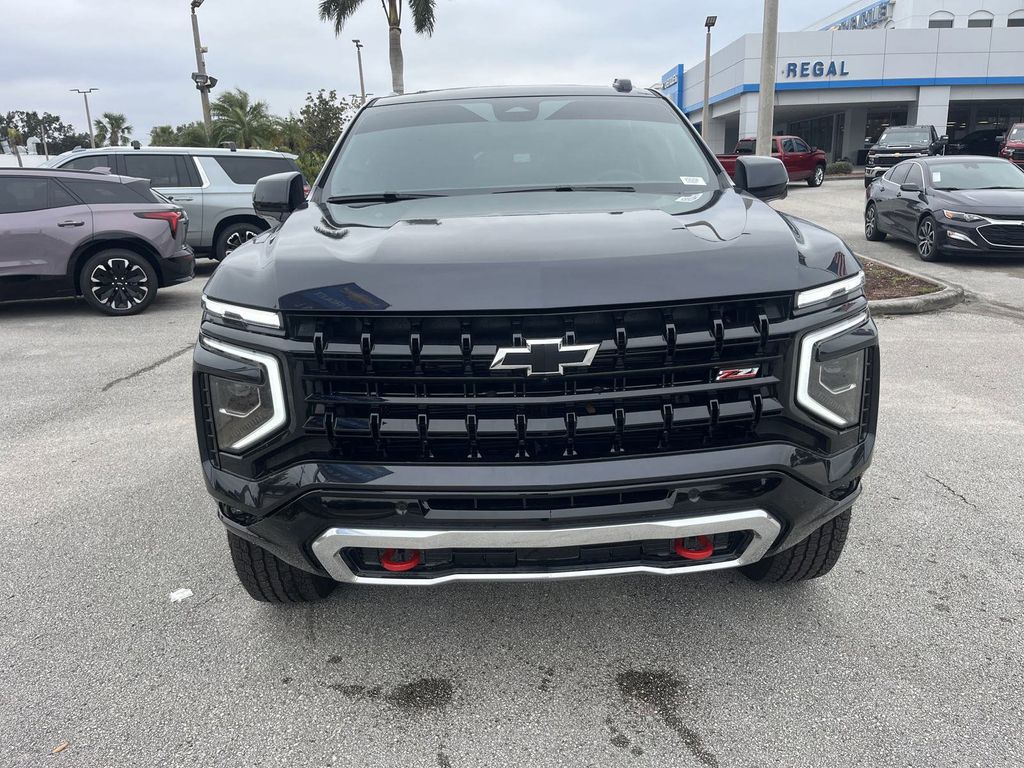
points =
(1007, 235)
(420, 389)
(1018, 154)
(886, 161)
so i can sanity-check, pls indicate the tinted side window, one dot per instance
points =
(915, 176)
(89, 162)
(799, 146)
(96, 192)
(22, 193)
(249, 170)
(788, 145)
(60, 197)
(161, 170)
(899, 173)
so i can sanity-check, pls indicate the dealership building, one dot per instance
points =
(954, 64)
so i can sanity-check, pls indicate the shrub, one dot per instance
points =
(840, 168)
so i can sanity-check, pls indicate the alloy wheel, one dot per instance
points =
(119, 284)
(869, 222)
(926, 239)
(239, 238)
(819, 176)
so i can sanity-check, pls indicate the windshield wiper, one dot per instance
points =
(571, 188)
(380, 197)
(999, 187)
(948, 189)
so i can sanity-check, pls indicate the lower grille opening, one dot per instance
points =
(440, 562)
(544, 503)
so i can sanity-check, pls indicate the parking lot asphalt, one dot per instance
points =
(907, 654)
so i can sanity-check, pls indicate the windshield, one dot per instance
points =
(503, 144)
(989, 174)
(746, 147)
(1016, 133)
(906, 136)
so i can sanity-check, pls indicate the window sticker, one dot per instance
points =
(695, 181)
(690, 198)
(521, 157)
(936, 177)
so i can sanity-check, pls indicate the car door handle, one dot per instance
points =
(70, 223)
(180, 199)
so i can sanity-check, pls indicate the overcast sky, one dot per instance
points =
(139, 52)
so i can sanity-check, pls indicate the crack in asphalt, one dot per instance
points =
(955, 493)
(148, 368)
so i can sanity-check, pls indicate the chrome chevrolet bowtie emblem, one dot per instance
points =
(544, 357)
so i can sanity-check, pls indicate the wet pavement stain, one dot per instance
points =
(422, 695)
(662, 693)
(547, 678)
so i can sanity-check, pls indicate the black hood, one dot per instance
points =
(998, 202)
(542, 250)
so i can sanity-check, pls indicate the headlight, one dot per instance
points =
(830, 291)
(831, 389)
(247, 315)
(245, 412)
(958, 216)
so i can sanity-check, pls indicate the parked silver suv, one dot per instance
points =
(213, 185)
(110, 239)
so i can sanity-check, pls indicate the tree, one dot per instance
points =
(162, 136)
(339, 11)
(58, 135)
(244, 122)
(289, 133)
(323, 117)
(114, 126)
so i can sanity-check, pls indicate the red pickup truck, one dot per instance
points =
(800, 160)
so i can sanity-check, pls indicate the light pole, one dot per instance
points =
(766, 96)
(88, 117)
(359, 55)
(202, 80)
(705, 117)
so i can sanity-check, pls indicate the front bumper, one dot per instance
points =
(319, 516)
(968, 239)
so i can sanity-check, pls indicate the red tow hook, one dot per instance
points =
(390, 562)
(704, 549)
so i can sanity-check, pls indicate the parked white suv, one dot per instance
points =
(213, 185)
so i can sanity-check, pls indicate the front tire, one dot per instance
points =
(927, 240)
(118, 282)
(234, 236)
(871, 230)
(811, 558)
(817, 177)
(270, 579)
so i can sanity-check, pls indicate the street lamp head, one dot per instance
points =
(358, 44)
(709, 22)
(196, 4)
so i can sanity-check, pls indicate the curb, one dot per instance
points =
(845, 177)
(948, 296)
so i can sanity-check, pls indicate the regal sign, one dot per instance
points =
(816, 69)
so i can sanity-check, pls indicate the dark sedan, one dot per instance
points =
(949, 205)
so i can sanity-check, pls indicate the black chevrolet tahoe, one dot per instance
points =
(532, 333)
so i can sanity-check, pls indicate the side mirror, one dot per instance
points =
(1001, 138)
(943, 139)
(765, 178)
(278, 196)
(909, 188)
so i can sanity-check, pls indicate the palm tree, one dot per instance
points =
(115, 125)
(239, 120)
(339, 11)
(161, 136)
